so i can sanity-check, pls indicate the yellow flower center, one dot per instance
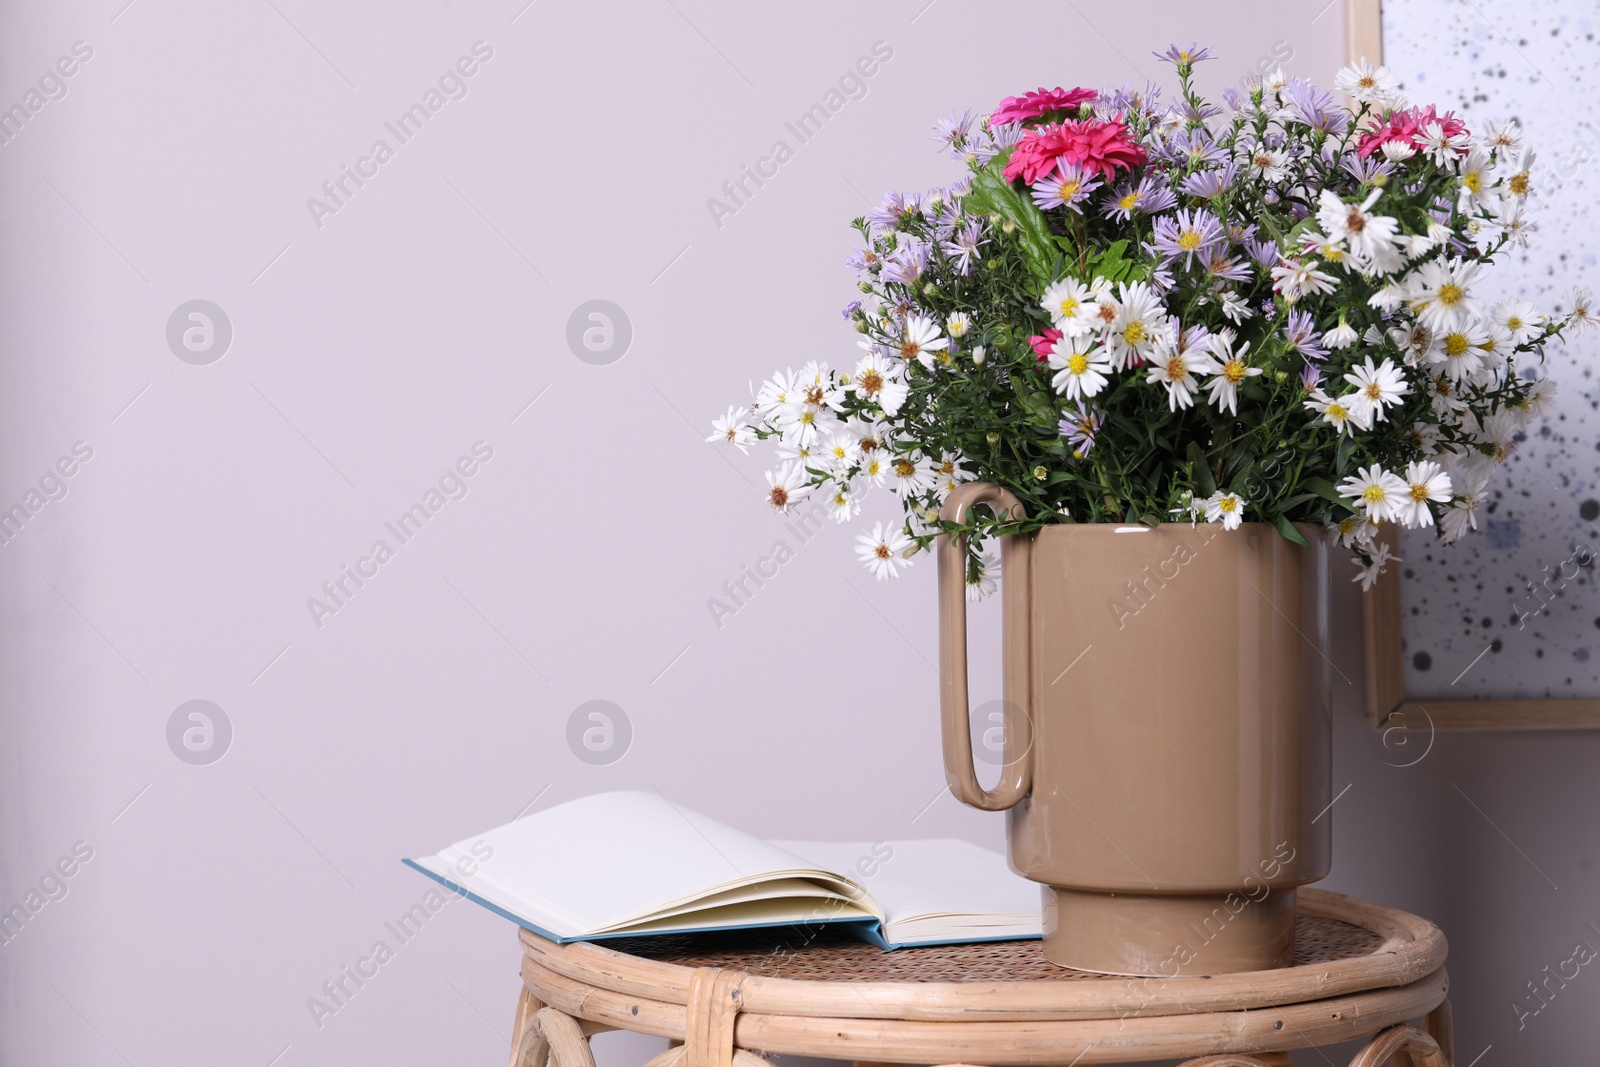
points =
(1455, 344)
(1337, 412)
(1473, 180)
(1177, 371)
(1188, 240)
(1227, 503)
(1069, 189)
(1450, 294)
(1129, 201)
(871, 382)
(1077, 363)
(1333, 255)
(904, 468)
(1514, 323)
(1419, 493)
(1373, 494)
(1374, 391)
(1133, 333)
(1069, 307)
(1519, 184)
(1233, 370)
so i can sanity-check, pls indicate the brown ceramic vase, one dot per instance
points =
(1166, 755)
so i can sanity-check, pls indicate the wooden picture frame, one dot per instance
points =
(1388, 705)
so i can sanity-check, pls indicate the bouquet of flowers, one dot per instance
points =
(1137, 311)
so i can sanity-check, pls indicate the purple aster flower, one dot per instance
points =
(1196, 147)
(1069, 187)
(1183, 58)
(895, 209)
(1157, 197)
(953, 133)
(1079, 426)
(1187, 234)
(964, 245)
(1220, 265)
(865, 261)
(1161, 277)
(1365, 170)
(1265, 253)
(997, 140)
(1196, 112)
(1310, 377)
(1314, 107)
(851, 308)
(908, 262)
(1127, 98)
(1231, 95)
(1301, 333)
(1194, 338)
(1267, 308)
(1210, 184)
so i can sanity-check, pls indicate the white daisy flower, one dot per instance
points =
(878, 381)
(1267, 163)
(1369, 237)
(733, 430)
(1445, 398)
(1226, 508)
(1440, 293)
(1234, 307)
(1364, 83)
(1582, 316)
(1319, 247)
(983, 577)
(1378, 386)
(1354, 530)
(1176, 369)
(1345, 414)
(1503, 138)
(1417, 343)
(1139, 326)
(910, 474)
(1375, 490)
(776, 392)
(948, 474)
(1425, 481)
(1370, 572)
(957, 325)
(1294, 278)
(884, 551)
(1512, 222)
(1072, 307)
(1462, 515)
(1477, 182)
(1520, 182)
(875, 466)
(1541, 399)
(840, 451)
(920, 339)
(1232, 370)
(786, 485)
(803, 425)
(1397, 151)
(1341, 336)
(1461, 352)
(1440, 146)
(843, 505)
(1081, 367)
(1518, 318)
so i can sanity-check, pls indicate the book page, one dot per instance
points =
(605, 861)
(934, 890)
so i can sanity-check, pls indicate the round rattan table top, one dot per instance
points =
(1358, 967)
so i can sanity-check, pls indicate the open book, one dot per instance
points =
(625, 864)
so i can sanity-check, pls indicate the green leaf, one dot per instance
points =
(992, 194)
(1286, 528)
(1204, 485)
(1323, 488)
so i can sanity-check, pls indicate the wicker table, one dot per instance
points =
(1361, 971)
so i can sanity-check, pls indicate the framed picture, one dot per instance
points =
(1501, 631)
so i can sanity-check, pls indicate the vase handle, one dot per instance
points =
(1016, 777)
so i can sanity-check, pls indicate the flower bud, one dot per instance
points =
(992, 437)
(1041, 473)
(978, 356)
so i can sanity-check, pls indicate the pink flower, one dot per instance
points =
(1086, 144)
(1406, 127)
(1045, 343)
(1032, 105)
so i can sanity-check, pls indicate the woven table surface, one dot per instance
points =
(828, 954)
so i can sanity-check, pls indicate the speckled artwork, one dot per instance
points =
(1512, 611)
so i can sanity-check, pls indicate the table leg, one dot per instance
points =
(523, 1036)
(1439, 1025)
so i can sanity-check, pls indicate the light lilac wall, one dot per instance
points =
(371, 352)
